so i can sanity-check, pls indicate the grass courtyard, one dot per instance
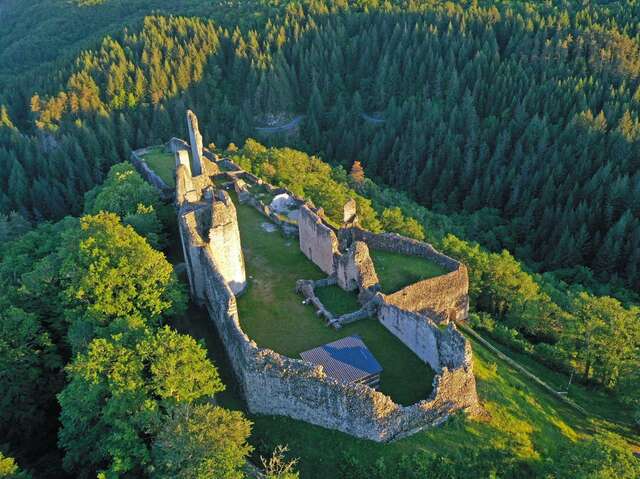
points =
(162, 163)
(272, 313)
(395, 270)
(337, 300)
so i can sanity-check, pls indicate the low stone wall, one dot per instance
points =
(166, 192)
(443, 298)
(401, 244)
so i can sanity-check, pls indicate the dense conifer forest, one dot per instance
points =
(505, 133)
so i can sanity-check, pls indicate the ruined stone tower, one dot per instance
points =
(195, 139)
(208, 221)
(224, 242)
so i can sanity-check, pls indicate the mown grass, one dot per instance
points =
(395, 270)
(337, 300)
(162, 163)
(273, 315)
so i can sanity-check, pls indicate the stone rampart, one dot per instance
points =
(277, 385)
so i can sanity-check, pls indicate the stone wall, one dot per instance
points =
(355, 269)
(195, 140)
(224, 242)
(416, 332)
(166, 192)
(276, 385)
(318, 242)
(443, 298)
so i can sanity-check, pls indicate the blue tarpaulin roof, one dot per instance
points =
(347, 359)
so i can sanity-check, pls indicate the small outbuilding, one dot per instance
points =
(348, 360)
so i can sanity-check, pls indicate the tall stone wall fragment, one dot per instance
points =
(317, 241)
(182, 158)
(355, 269)
(195, 138)
(224, 243)
(349, 211)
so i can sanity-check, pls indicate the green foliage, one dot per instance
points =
(278, 466)
(117, 395)
(12, 226)
(306, 176)
(114, 280)
(200, 442)
(125, 193)
(394, 221)
(10, 470)
(604, 456)
(28, 360)
(608, 336)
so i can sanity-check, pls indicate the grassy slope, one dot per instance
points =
(395, 271)
(273, 315)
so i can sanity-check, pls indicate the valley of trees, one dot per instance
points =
(506, 133)
(519, 116)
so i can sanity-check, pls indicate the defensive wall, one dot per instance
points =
(278, 385)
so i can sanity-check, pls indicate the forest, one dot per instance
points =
(505, 133)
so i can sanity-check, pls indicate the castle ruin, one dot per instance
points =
(421, 315)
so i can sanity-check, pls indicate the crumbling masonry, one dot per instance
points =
(420, 315)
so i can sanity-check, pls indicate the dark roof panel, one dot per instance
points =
(346, 359)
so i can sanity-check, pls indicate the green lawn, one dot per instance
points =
(337, 300)
(395, 270)
(272, 313)
(162, 163)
